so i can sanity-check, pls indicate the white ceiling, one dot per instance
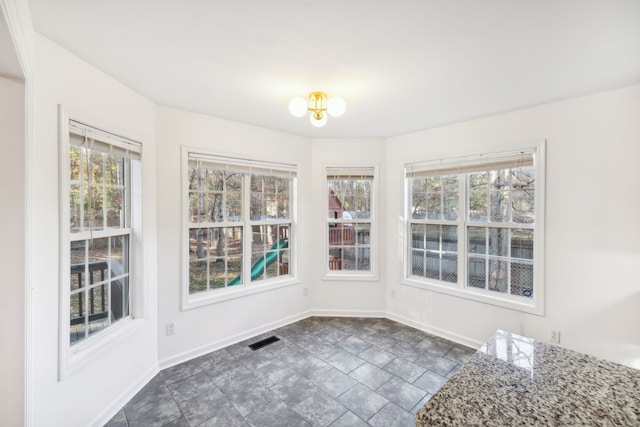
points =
(401, 65)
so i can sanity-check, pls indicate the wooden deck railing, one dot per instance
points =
(342, 234)
(97, 303)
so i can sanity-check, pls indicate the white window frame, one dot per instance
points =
(248, 287)
(373, 273)
(71, 358)
(533, 305)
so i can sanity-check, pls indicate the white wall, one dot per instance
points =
(213, 326)
(346, 297)
(93, 394)
(592, 255)
(12, 259)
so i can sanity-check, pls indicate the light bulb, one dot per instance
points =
(298, 106)
(336, 106)
(318, 122)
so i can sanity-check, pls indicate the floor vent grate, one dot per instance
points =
(264, 342)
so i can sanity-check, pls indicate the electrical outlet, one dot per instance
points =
(305, 292)
(554, 336)
(393, 293)
(171, 328)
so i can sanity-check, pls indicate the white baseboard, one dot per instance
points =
(225, 342)
(125, 397)
(347, 313)
(460, 339)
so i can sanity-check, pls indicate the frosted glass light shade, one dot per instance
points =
(318, 123)
(298, 106)
(336, 106)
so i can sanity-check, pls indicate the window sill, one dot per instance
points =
(351, 276)
(511, 302)
(240, 291)
(80, 355)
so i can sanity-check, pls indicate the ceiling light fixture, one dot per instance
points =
(318, 105)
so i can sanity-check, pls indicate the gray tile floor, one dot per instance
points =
(324, 371)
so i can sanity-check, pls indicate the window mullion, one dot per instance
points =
(463, 194)
(247, 230)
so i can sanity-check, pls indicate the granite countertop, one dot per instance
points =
(514, 380)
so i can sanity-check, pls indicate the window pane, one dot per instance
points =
(433, 184)
(479, 181)
(198, 239)
(98, 256)
(283, 262)
(348, 259)
(498, 206)
(476, 273)
(77, 167)
(75, 207)
(194, 180)
(522, 279)
(417, 263)
(364, 259)
(450, 206)
(498, 179)
(450, 268)
(498, 276)
(523, 178)
(335, 258)
(119, 260)
(450, 183)
(77, 312)
(195, 207)
(434, 206)
(477, 240)
(234, 240)
(233, 207)
(213, 180)
(98, 309)
(218, 276)
(96, 169)
(115, 214)
(433, 237)
(77, 250)
(257, 266)
(119, 299)
(433, 266)
(197, 276)
(233, 182)
(267, 242)
(478, 205)
(363, 234)
(213, 207)
(234, 270)
(257, 206)
(450, 238)
(270, 205)
(95, 213)
(499, 242)
(418, 234)
(522, 206)
(522, 244)
(113, 169)
(418, 198)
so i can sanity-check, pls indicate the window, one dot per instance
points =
(97, 204)
(239, 225)
(350, 217)
(475, 226)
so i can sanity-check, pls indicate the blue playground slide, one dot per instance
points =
(258, 267)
